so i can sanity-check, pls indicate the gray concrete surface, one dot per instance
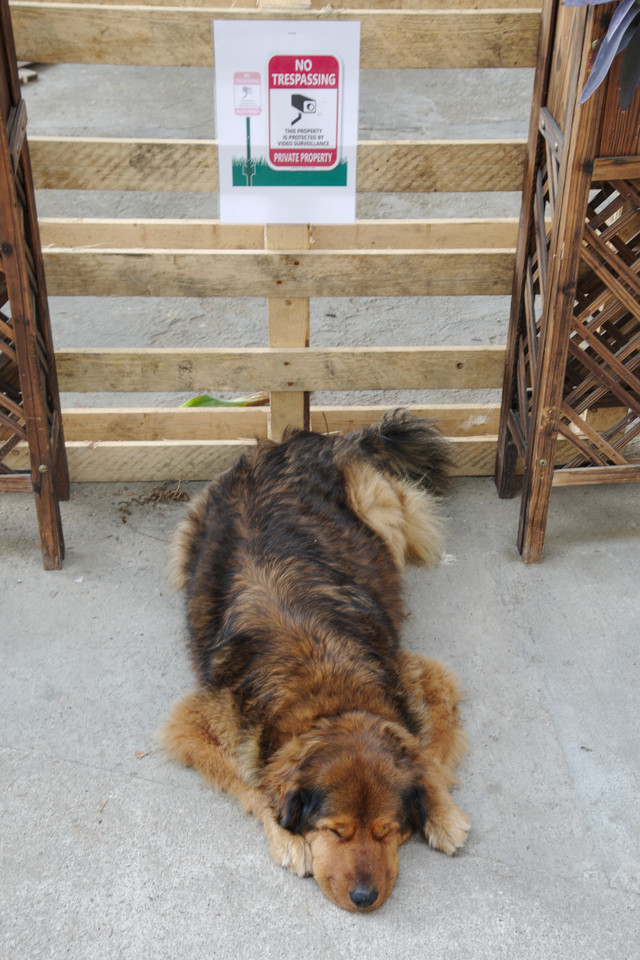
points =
(109, 851)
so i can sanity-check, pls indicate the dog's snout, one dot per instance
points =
(363, 896)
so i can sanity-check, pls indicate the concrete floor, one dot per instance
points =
(108, 850)
(111, 851)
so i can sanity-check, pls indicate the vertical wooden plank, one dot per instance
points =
(564, 262)
(620, 134)
(288, 327)
(506, 452)
(24, 275)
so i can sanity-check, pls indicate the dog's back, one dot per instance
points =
(292, 559)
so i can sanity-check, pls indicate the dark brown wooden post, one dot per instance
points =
(575, 319)
(29, 400)
(510, 443)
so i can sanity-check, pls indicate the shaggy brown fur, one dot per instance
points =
(307, 710)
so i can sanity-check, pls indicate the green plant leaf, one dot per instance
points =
(204, 400)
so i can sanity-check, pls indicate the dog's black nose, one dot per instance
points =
(363, 897)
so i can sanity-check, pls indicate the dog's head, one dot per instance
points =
(352, 786)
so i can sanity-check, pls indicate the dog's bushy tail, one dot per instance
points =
(408, 447)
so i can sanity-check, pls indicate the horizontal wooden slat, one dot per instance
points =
(200, 423)
(15, 482)
(103, 234)
(338, 368)
(406, 166)
(455, 420)
(628, 473)
(169, 36)
(114, 163)
(200, 460)
(616, 168)
(244, 273)
(109, 461)
(265, 5)
(449, 166)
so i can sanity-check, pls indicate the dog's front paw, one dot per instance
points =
(447, 828)
(291, 851)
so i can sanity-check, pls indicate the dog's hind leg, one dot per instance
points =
(201, 733)
(434, 695)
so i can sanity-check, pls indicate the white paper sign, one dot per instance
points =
(287, 120)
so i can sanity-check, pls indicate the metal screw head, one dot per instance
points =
(43, 468)
(542, 463)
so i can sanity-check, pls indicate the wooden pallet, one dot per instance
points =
(574, 341)
(287, 265)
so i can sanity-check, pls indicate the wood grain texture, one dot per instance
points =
(232, 273)
(451, 234)
(586, 476)
(312, 368)
(335, 4)
(27, 366)
(107, 461)
(174, 36)
(92, 461)
(219, 423)
(199, 460)
(288, 319)
(405, 166)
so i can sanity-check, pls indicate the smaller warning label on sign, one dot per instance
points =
(304, 105)
(246, 93)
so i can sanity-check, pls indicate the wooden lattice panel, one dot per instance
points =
(603, 355)
(29, 403)
(12, 422)
(571, 393)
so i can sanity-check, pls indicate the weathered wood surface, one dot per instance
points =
(586, 476)
(28, 385)
(174, 36)
(99, 163)
(335, 4)
(227, 423)
(102, 461)
(576, 345)
(18, 482)
(189, 460)
(193, 258)
(477, 233)
(288, 320)
(106, 461)
(245, 273)
(243, 369)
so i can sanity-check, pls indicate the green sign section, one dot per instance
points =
(258, 173)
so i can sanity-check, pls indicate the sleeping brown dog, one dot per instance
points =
(306, 709)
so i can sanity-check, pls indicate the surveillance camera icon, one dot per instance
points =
(303, 105)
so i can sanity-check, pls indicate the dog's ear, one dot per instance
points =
(414, 808)
(299, 807)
